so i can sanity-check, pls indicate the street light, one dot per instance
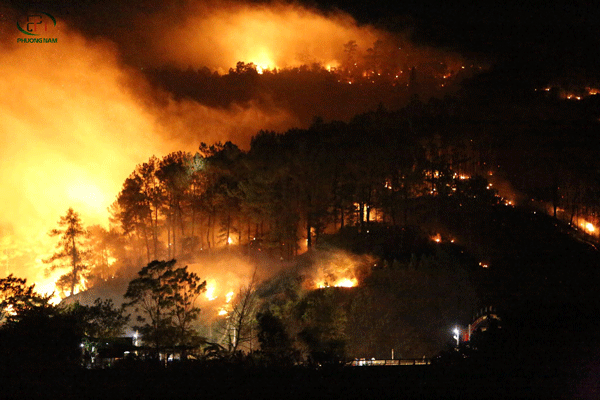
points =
(456, 335)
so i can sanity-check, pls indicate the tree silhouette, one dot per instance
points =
(71, 251)
(16, 297)
(166, 296)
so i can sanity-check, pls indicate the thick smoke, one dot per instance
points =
(74, 123)
(269, 35)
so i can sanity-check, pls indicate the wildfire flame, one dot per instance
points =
(342, 282)
(588, 227)
(211, 286)
(228, 297)
(346, 282)
(337, 269)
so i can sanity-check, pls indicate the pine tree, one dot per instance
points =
(71, 252)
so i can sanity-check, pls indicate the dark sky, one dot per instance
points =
(555, 37)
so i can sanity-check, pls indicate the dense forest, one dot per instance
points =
(433, 211)
(451, 205)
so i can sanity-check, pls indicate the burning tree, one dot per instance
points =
(71, 251)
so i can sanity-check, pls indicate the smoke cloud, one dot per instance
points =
(268, 35)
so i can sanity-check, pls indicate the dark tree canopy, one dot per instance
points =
(165, 296)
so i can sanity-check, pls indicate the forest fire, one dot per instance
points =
(87, 148)
(338, 269)
(573, 93)
(212, 294)
(341, 282)
(210, 290)
(273, 189)
(265, 35)
(437, 238)
(225, 309)
(588, 227)
(93, 118)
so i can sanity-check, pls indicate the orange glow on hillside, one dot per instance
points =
(342, 282)
(337, 269)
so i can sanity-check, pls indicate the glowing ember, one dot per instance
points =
(228, 297)
(588, 227)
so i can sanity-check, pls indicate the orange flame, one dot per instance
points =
(588, 227)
